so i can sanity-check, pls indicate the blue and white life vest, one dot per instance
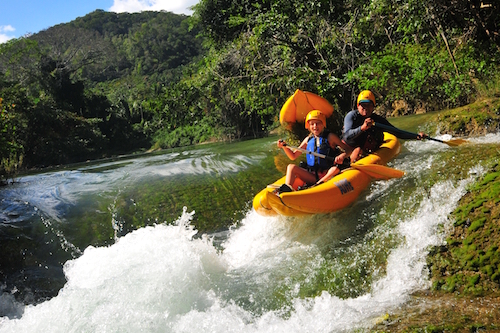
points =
(320, 145)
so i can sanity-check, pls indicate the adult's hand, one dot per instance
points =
(421, 135)
(367, 124)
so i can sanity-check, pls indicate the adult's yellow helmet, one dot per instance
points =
(315, 114)
(366, 96)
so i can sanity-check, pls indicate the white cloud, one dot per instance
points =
(175, 6)
(7, 28)
(4, 38)
(4, 33)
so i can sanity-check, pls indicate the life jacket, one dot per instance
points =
(320, 145)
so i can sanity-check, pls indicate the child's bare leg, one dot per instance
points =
(294, 171)
(333, 171)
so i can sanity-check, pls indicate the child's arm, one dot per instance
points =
(289, 152)
(339, 159)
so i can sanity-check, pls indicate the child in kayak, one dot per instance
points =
(318, 170)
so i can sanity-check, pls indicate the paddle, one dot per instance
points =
(374, 170)
(394, 130)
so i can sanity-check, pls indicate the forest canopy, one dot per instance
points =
(109, 83)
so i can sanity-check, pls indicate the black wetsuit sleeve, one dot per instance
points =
(399, 134)
(351, 127)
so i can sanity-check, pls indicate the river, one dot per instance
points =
(169, 242)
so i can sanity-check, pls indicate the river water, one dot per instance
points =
(168, 242)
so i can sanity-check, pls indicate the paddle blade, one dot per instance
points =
(455, 142)
(379, 171)
(451, 143)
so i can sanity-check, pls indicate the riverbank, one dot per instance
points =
(465, 272)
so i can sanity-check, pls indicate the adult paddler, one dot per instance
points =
(359, 132)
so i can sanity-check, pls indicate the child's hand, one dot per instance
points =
(340, 158)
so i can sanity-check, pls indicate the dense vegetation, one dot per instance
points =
(112, 83)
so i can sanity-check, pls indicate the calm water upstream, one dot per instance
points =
(168, 242)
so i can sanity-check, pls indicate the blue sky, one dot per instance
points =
(21, 17)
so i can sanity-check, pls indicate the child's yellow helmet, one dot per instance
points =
(315, 114)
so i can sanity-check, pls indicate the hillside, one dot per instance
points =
(75, 91)
(117, 45)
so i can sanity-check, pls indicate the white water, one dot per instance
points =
(161, 279)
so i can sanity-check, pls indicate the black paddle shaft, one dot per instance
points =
(396, 131)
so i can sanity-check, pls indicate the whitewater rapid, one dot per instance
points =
(162, 279)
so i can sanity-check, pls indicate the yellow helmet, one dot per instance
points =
(315, 114)
(366, 96)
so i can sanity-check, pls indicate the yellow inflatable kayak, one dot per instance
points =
(333, 195)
